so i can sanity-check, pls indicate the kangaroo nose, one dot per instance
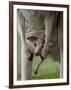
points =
(37, 54)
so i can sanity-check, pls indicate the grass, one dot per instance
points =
(47, 70)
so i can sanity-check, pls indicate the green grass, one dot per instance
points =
(47, 70)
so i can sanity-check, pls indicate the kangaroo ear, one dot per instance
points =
(50, 44)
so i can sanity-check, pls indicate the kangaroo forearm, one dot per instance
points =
(50, 21)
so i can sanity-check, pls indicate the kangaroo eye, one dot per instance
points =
(31, 38)
(35, 44)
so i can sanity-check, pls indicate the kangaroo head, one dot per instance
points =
(37, 39)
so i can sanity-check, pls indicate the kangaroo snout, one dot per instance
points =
(37, 51)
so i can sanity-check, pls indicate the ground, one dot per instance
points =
(47, 70)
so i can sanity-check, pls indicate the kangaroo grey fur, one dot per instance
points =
(49, 24)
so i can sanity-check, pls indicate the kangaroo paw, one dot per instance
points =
(35, 72)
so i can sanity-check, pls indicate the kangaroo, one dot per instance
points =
(36, 29)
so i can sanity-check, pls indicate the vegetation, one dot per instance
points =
(47, 70)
